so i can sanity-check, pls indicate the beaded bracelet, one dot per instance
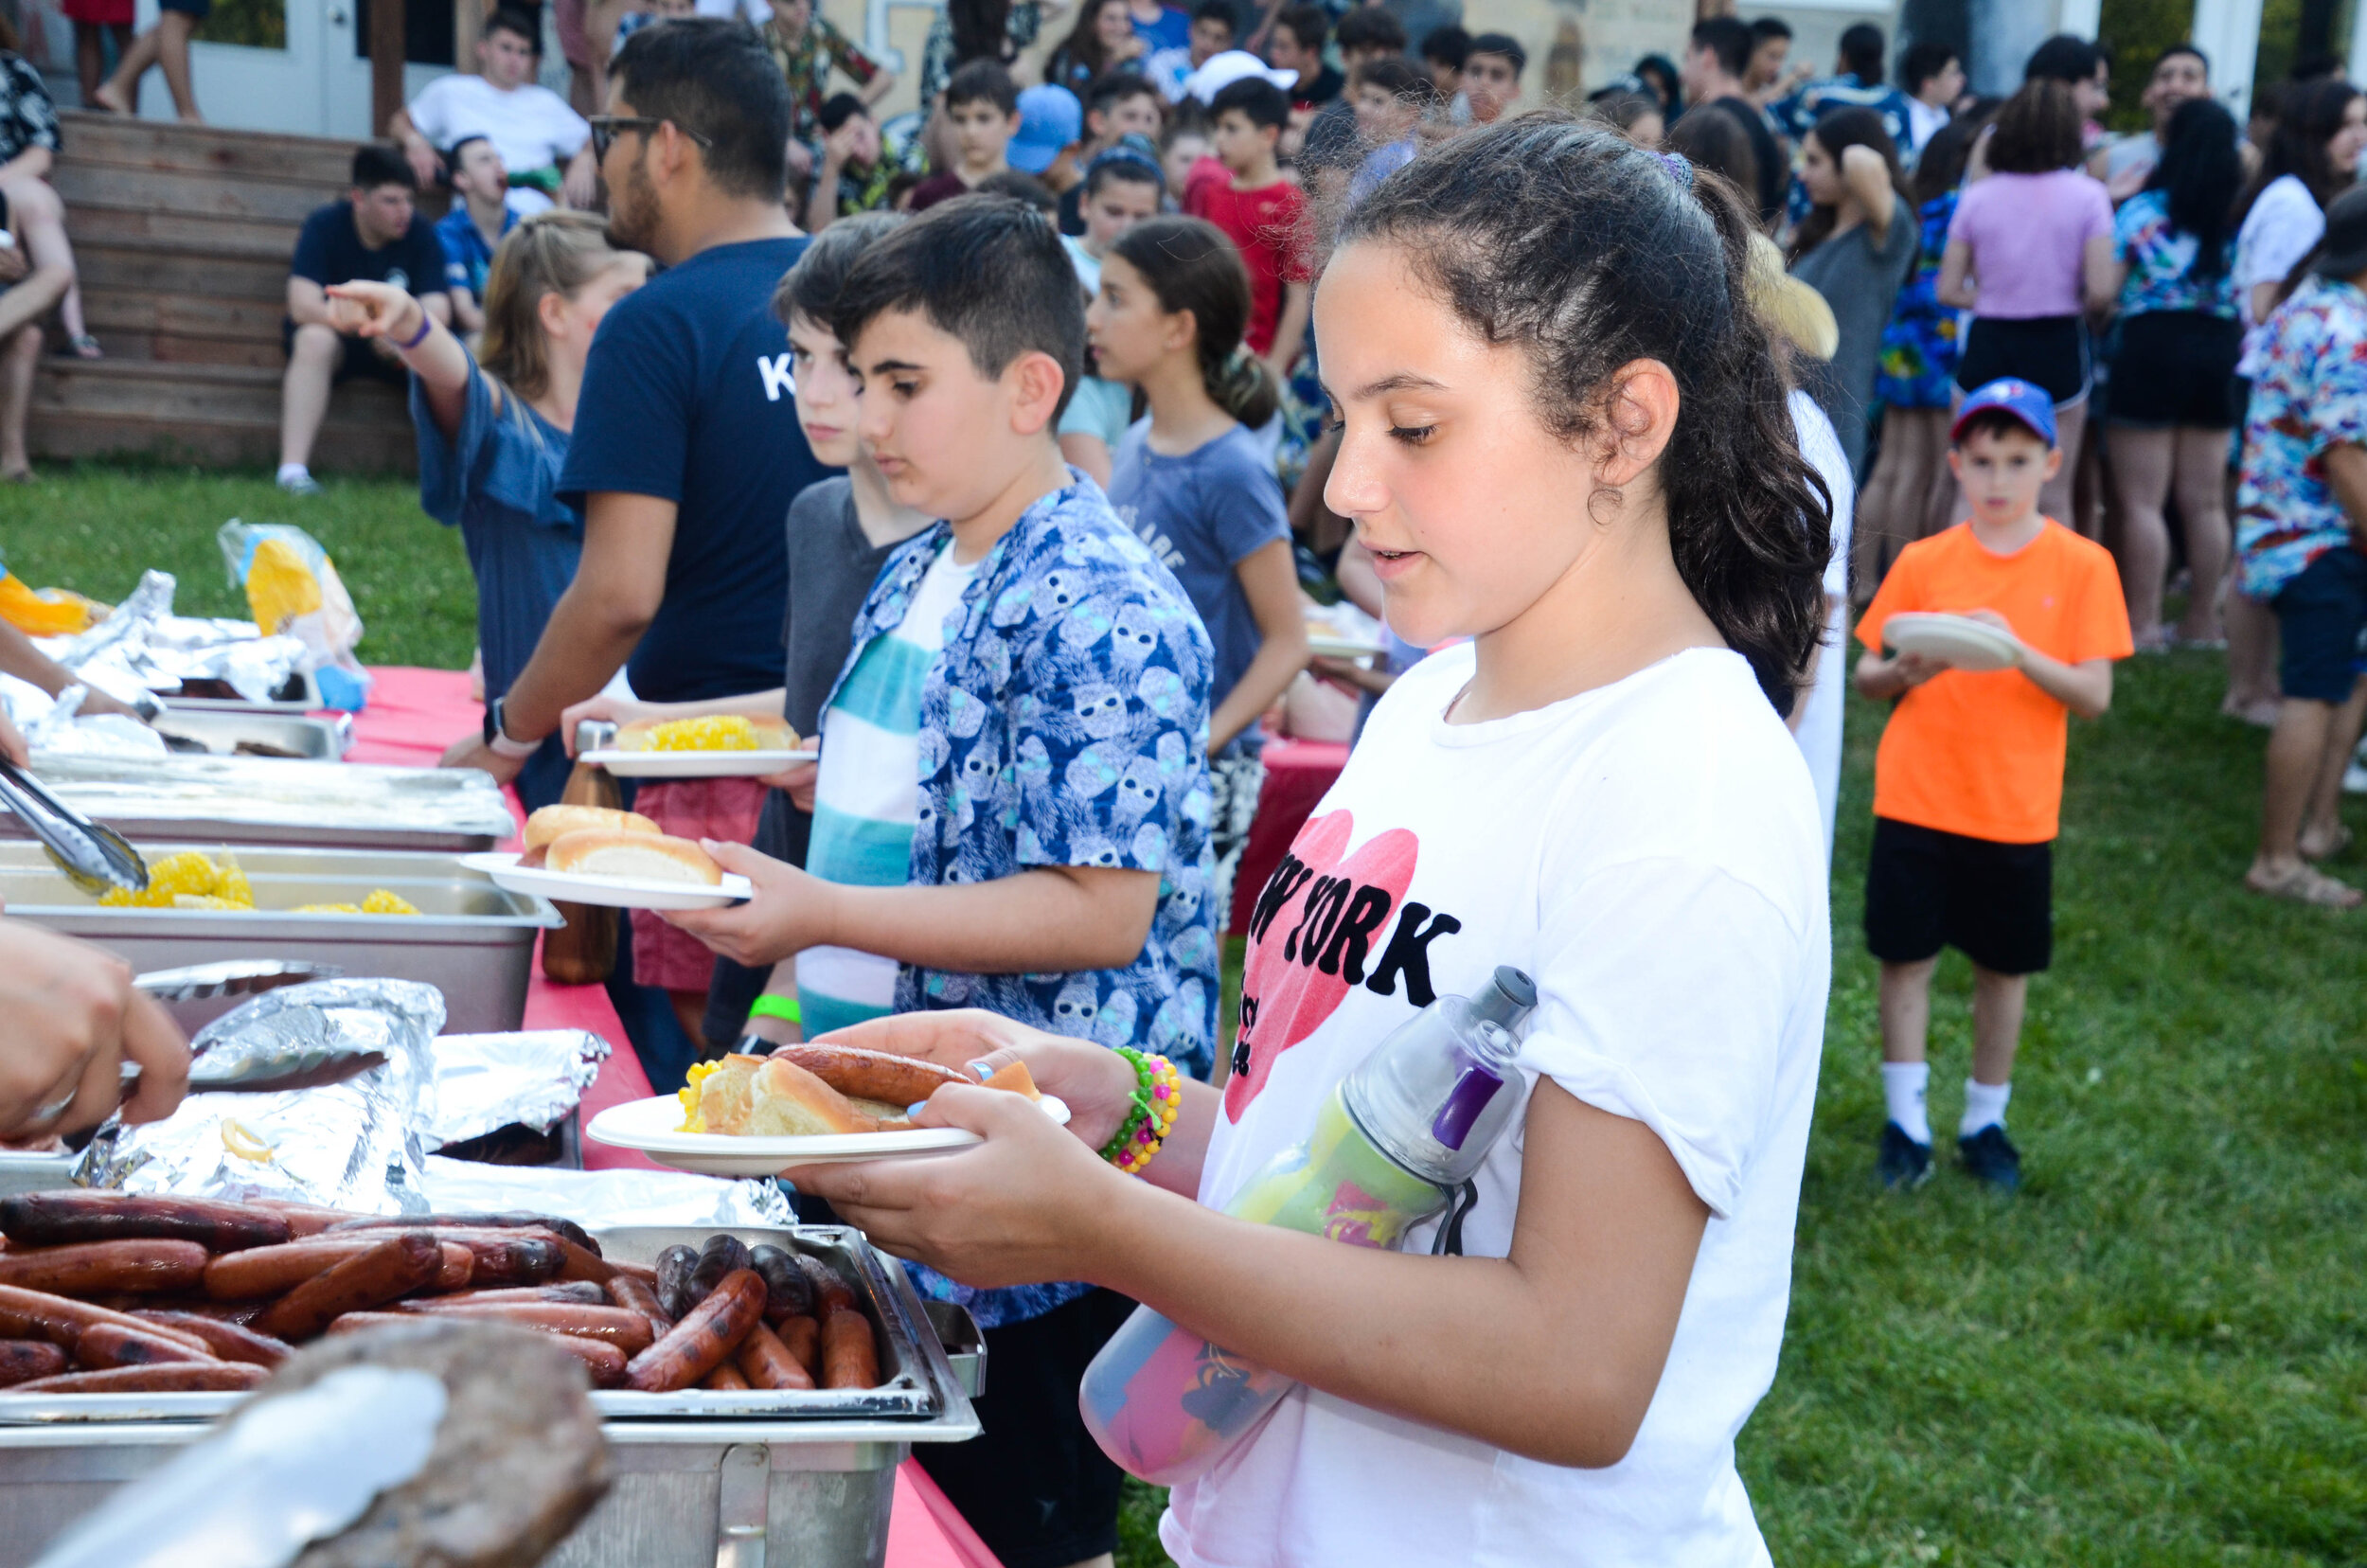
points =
(1158, 1095)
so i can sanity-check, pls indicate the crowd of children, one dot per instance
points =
(1596, 391)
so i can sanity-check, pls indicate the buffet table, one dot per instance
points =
(413, 715)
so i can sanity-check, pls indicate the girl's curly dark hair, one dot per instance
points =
(1586, 253)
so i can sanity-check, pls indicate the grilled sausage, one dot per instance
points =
(567, 1229)
(105, 1345)
(88, 1268)
(55, 1219)
(304, 1219)
(605, 1362)
(787, 1293)
(849, 1359)
(390, 1270)
(625, 1329)
(159, 1377)
(830, 1293)
(723, 1255)
(635, 1294)
(766, 1363)
(879, 1076)
(724, 1380)
(22, 1361)
(229, 1341)
(802, 1338)
(673, 1281)
(581, 1292)
(508, 1258)
(704, 1338)
(272, 1270)
(33, 1314)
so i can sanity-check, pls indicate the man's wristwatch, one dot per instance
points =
(498, 738)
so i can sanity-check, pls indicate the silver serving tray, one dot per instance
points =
(222, 732)
(269, 800)
(473, 940)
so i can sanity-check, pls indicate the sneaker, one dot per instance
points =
(300, 483)
(1991, 1159)
(2355, 778)
(1902, 1162)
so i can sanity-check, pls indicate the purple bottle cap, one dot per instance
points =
(1465, 1101)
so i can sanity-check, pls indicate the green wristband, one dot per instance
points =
(772, 1004)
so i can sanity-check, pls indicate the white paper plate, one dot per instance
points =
(1966, 644)
(696, 764)
(613, 892)
(1326, 646)
(653, 1126)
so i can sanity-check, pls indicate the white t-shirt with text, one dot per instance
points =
(1650, 853)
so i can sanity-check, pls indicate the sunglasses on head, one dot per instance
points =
(606, 128)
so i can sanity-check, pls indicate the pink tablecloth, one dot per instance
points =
(413, 715)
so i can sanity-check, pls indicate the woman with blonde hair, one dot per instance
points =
(493, 429)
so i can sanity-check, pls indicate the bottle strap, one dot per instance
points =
(1460, 1201)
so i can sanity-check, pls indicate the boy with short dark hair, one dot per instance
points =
(1012, 801)
(1968, 781)
(1121, 105)
(1260, 211)
(1212, 33)
(1491, 76)
(982, 108)
(1443, 52)
(854, 172)
(473, 227)
(1299, 35)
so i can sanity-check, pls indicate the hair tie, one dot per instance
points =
(1679, 169)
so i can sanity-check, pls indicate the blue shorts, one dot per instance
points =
(2322, 616)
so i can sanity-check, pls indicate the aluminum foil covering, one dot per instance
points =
(264, 791)
(144, 647)
(357, 1144)
(61, 729)
(485, 1082)
(600, 1198)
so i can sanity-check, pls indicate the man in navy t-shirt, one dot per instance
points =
(687, 450)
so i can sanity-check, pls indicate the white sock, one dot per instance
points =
(294, 471)
(1903, 1083)
(1984, 1106)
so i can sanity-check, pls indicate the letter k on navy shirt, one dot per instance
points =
(686, 397)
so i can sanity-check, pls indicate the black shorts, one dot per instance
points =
(1993, 902)
(2321, 622)
(199, 8)
(1034, 1484)
(2048, 352)
(359, 358)
(2177, 368)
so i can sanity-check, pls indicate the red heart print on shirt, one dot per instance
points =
(1316, 932)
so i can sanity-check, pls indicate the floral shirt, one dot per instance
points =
(806, 63)
(1920, 347)
(2161, 262)
(2310, 394)
(1065, 723)
(28, 118)
(1020, 29)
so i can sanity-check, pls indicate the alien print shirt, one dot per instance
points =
(1063, 722)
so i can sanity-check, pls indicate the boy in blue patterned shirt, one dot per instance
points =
(1011, 808)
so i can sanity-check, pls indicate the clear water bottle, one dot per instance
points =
(1390, 1146)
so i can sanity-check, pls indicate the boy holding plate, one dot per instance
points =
(1969, 781)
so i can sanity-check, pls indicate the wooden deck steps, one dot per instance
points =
(183, 236)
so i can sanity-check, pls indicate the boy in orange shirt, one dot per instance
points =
(1969, 782)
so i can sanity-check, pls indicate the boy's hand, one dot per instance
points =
(1991, 618)
(790, 912)
(1916, 668)
(798, 779)
(616, 710)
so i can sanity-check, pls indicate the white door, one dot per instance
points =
(293, 67)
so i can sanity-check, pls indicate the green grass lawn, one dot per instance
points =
(2156, 1354)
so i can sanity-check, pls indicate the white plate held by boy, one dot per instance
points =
(613, 892)
(696, 764)
(653, 1126)
(1959, 641)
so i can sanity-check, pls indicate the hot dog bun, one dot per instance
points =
(652, 857)
(551, 821)
(770, 733)
(771, 1097)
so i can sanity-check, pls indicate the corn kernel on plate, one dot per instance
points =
(722, 745)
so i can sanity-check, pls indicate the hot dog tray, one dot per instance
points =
(270, 800)
(222, 734)
(700, 1480)
(473, 940)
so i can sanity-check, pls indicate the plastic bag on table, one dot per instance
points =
(293, 590)
(45, 611)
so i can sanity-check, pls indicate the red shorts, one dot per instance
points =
(724, 808)
(109, 13)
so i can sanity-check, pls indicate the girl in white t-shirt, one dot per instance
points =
(1565, 438)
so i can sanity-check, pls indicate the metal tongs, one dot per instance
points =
(94, 858)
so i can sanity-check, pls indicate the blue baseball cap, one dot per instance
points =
(1049, 119)
(2010, 395)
